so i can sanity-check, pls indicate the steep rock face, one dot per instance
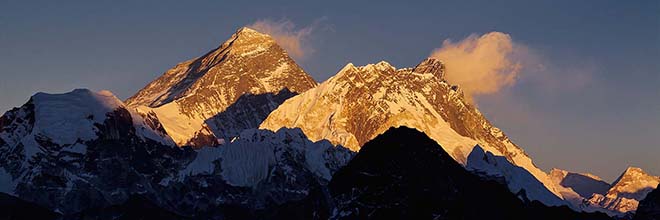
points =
(403, 174)
(649, 207)
(626, 192)
(359, 103)
(194, 98)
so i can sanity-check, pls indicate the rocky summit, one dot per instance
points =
(230, 88)
(625, 193)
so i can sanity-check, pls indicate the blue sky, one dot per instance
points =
(593, 107)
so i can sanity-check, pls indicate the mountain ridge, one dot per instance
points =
(265, 136)
(359, 103)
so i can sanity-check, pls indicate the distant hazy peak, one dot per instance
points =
(633, 182)
(625, 192)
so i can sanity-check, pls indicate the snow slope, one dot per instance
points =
(67, 120)
(44, 143)
(520, 181)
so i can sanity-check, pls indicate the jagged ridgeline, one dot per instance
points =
(242, 132)
(358, 103)
(81, 151)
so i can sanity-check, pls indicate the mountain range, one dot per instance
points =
(243, 132)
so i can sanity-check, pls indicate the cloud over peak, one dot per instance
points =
(284, 32)
(481, 64)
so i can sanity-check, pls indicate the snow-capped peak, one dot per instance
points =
(66, 118)
(358, 103)
(634, 183)
(625, 193)
(72, 117)
(61, 125)
(381, 66)
(249, 65)
(348, 67)
(631, 172)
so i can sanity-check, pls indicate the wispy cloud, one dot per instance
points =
(493, 62)
(294, 40)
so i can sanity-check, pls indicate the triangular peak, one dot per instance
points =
(200, 90)
(633, 173)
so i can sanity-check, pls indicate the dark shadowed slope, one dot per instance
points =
(649, 208)
(403, 174)
(584, 184)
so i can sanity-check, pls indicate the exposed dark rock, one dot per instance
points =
(649, 207)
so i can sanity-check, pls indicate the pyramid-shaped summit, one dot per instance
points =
(634, 183)
(253, 55)
(198, 92)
